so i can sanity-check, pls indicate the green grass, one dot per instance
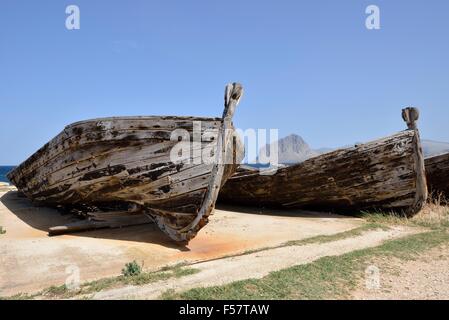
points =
(55, 291)
(63, 292)
(132, 269)
(318, 239)
(326, 278)
(137, 279)
(19, 296)
(339, 236)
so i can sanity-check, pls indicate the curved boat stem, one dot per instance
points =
(233, 93)
(411, 116)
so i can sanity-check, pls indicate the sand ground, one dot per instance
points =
(31, 261)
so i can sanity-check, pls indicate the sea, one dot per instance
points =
(4, 171)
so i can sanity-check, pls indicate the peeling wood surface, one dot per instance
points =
(127, 160)
(104, 221)
(437, 170)
(386, 174)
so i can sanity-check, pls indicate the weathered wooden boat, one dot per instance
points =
(125, 164)
(437, 171)
(386, 174)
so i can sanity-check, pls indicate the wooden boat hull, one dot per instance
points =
(110, 162)
(387, 174)
(437, 171)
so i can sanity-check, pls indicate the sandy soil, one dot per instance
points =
(254, 265)
(427, 277)
(31, 261)
(5, 187)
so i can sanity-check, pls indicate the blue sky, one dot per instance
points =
(308, 67)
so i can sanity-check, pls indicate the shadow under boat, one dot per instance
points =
(280, 211)
(43, 218)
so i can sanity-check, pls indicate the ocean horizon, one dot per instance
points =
(4, 171)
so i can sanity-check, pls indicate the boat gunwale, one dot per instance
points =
(255, 171)
(437, 157)
(180, 118)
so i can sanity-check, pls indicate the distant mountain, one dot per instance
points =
(293, 149)
(433, 148)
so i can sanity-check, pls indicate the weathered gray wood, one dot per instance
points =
(120, 221)
(135, 172)
(384, 174)
(134, 154)
(119, 131)
(410, 116)
(437, 170)
(127, 159)
(83, 225)
(421, 192)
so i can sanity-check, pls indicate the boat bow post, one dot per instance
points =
(411, 116)
(233, 93)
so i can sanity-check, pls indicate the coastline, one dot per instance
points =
(4, 170)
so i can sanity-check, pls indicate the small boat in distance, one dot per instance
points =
(386, 174)
(437, 171)
(127, 163)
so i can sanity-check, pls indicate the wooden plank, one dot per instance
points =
(88, 224)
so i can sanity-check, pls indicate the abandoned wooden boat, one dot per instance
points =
(386, 174)
(133, 163)
(437, 171)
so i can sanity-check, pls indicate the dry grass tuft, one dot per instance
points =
(435, 213)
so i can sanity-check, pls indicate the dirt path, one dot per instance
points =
(255, 265)
(426, 277)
